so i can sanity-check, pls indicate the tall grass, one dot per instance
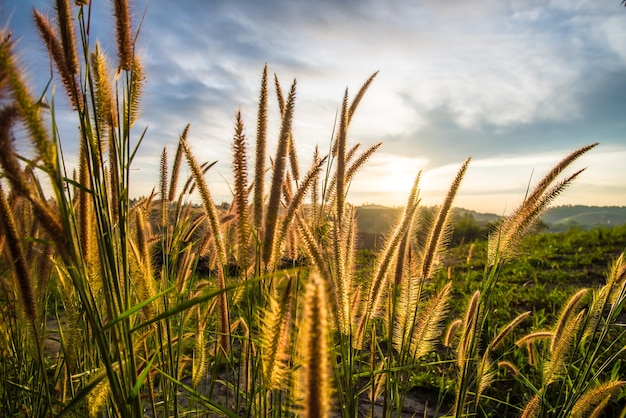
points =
(121, 307)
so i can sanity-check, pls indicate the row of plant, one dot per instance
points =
(284, 321)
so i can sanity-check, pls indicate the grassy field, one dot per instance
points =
(115, 307)
(548, 269)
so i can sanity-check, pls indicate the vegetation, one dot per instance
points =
(106, 312)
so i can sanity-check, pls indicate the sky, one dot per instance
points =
(514, 84)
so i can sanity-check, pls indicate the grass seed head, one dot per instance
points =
(315, 382)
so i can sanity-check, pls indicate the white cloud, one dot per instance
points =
(614, 29)
(491, 68)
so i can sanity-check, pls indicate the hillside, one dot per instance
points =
(375, 221)
(561, 218)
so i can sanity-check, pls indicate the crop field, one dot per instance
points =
(170, 305)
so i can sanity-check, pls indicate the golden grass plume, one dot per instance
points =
(66, 29)
(20, 264)
(560, 348)
(217, 234)
(259, 163)
(27, 107)
(440, 230)
(123, 34)
(105, 108)
(278, 177)
(429, 326)
(503, 242)
(591, 400)
(275, 332)
(57, 52)
(315, 373)
(240, 172)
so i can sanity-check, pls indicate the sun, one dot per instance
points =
(387, 179)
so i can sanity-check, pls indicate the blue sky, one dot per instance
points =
(514, 84)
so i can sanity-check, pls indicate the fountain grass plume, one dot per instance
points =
(218, 239)
(28, 108)
(503, 241)
(123, 34)
(176, 166)
(595, 400)
(428, 326)
(105, 109)
(278, 176)
(20, 266)
(438, 234)
(259, 163)
(294, 205)
(276, 325)
(57, 53)
(315, 372)
(240, 172)
(66, 29)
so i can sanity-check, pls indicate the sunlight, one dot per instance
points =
(387, 180)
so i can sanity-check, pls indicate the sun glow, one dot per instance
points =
(387, 180)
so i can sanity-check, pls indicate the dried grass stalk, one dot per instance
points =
(58, 55)
(503, 242)
(66, 29)
(468, 336)
(114, 180)
(105, 110)
(294, 205)
(359, 96)
(176, 166)
(27, 107)
(315, 382)
(136, 89)
(279, 96)
(216, 231)
(275, 333)
(123, 33)
(278, 177)
(164, 219)
(84, 205)
(534, 336)
(451, 332)
(377, 288)
(532, 407)
(496, 342)
(560, 349)
(259, 163)
(20, 265)
(13, 171)
(507, 365)
(428, 327)
(240, 171)
(341, 161)
(570, 308)
(439, 232)
(200, 362)
(594, 398)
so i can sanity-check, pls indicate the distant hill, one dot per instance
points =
(480, 218)
(375, 221)
(563, 217)
(559, 218)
